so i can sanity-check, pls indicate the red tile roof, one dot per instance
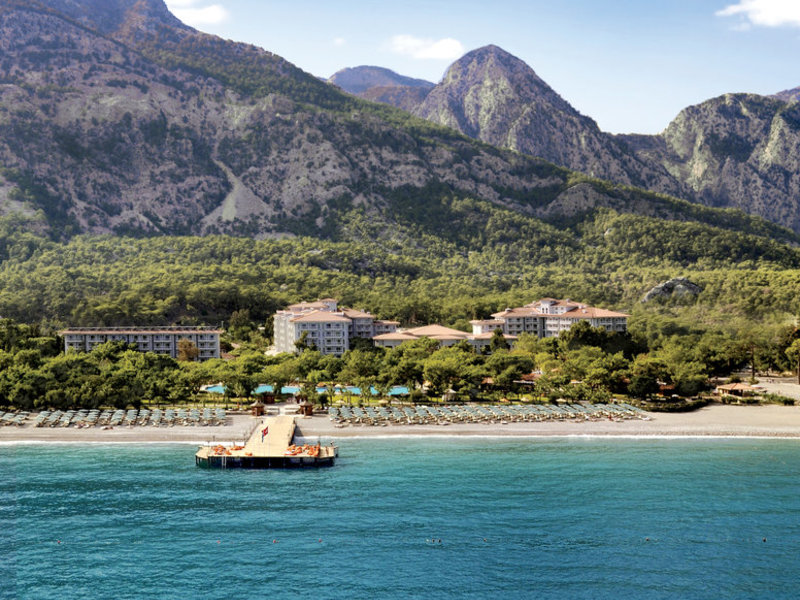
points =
(356, 314)
(436, 330)
(321, 316)
(403, 337)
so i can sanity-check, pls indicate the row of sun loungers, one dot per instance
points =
(131, 418)
(17, 419)
(445, 415)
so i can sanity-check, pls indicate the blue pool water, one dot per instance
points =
(564, 518)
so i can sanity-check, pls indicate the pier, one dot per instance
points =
(271, 446)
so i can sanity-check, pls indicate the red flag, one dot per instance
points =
(264, 431)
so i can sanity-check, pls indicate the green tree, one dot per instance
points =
(646, 373)
(498, 341)
(452, 368)
(793, 352)
(240, 325)
(187, 350)
(303, 344)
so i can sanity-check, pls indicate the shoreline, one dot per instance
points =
(713, 421)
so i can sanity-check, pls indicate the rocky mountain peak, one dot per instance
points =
(114, 16)
(492, 72)
(492, 95)
(792, 95)
(491, 57)
(357, 80)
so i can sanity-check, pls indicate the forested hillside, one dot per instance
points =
(414, 272)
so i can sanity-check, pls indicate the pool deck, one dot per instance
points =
(267, 448)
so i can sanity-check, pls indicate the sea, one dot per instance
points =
(407, 518)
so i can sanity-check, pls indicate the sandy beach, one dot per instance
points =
(237, 429)
(712, 421)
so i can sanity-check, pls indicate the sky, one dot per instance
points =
(631, 65)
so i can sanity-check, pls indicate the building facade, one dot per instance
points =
(161, 340)
(443, 335)
(331, 328)
(548, 317)
(326, 326)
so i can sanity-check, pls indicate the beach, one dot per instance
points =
(238, 428)
(715, 420)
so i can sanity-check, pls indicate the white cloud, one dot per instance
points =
(426, 49)
(190, 13)
(766, 13)
(339, 41)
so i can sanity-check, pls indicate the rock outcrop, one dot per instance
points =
(680, 287)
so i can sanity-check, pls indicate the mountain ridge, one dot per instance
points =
(792, 95)
(357, 80)
(706, 154)
(491, 95)
(155, 129)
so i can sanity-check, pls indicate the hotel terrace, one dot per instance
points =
(548, 317)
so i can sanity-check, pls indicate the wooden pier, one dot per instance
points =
(269, 447)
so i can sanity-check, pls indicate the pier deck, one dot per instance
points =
(268, 447)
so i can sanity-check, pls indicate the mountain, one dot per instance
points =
(383, 85)
(116, 118)
(495, 97)
(357, 80)
(117, 16)
(792, 95)
(405, 97)
(737, 150)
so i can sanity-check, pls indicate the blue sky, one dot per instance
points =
(632, 65)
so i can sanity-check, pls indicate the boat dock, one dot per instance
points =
(271, 446)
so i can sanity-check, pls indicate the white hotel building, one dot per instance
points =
(328, 327)
(548, 317)
(161, 340)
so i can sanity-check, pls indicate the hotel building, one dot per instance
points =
(548, 317)
(328, 327)
(161, 340)
(444, 335)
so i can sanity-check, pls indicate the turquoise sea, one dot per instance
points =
(517, 518)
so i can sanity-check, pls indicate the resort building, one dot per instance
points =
(161, 340)
(548, 317)
(444, 335)
(329, 328)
